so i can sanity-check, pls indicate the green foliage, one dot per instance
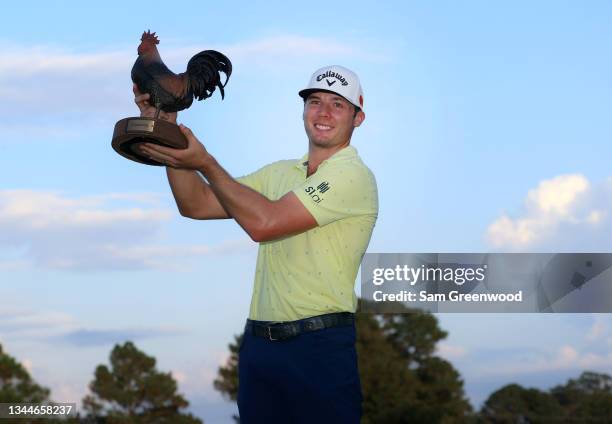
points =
(402, 381)
(133, 391)
(16, 385)
(587, 399)
(227, 379)
(512, 404)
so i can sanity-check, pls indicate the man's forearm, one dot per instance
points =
(194, 198)
(249, 208)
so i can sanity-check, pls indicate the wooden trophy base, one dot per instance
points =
(129, 132)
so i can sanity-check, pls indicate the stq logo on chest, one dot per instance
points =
(315, 193)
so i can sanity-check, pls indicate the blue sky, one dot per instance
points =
(487, 128)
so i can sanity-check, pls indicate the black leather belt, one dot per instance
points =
(285, 330)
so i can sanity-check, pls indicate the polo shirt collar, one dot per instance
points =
(346, 152)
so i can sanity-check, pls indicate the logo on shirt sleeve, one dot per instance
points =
(315, 193)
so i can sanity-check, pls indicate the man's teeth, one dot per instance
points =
(322, 127)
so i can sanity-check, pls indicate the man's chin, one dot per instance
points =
(321, 142)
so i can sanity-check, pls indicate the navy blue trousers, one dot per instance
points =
(310, 378)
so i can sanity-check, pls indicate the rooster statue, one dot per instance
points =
(171, 92)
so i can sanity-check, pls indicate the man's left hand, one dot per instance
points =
(194, 156)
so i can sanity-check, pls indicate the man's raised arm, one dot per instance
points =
(262, 219)
(192, 194)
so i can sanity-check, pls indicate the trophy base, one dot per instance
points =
(129, 132)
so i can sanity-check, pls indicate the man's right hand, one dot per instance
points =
(147, 110)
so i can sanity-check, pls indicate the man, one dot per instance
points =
(313, 218)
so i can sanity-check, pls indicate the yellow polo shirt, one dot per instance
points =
(314, 272)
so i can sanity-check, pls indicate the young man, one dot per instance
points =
(313, 218)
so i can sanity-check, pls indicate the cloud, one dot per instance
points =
(451, 352)
(197, 380)
(23, 321)
(282, 50)
(94, 337)
(598, 329)
(565, 212)
(24, 61)
(29, 60)
(26, 324)
(564, 358)
(41, 85)
(105, 232)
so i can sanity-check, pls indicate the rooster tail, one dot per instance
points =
(204, 75)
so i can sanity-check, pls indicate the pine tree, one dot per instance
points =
(16, 385)
(133, 391)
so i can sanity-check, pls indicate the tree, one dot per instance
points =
(586, 399)
(227, 379)
(402, 381)
(133, 391)
(513, 404)
(16, 385)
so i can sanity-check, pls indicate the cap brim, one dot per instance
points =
(308, 91)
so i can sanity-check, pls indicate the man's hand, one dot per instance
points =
(194, 156)
(147, 110)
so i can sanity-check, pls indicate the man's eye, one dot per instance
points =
(339, 105)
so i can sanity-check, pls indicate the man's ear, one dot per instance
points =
(359, 118)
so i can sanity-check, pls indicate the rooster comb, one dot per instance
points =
(150, 37)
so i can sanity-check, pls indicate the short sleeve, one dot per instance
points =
(255, 180)
(338, 191)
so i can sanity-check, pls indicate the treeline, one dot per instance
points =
(130, 391)
(403, 381)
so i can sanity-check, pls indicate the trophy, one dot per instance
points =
(168, 92)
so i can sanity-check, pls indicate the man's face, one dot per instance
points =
(329, 119)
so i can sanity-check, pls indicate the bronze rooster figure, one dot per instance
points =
(171, 92)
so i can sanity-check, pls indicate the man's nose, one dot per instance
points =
(325, 109)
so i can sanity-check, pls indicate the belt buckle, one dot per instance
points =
(270, 334)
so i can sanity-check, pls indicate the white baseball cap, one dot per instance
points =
(336, 79)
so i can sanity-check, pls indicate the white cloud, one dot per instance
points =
(281, 48)
(65, 392)
(27, 364)
(565, 212)
(179, 376)
(556, 196)
(112, 231)
(84, 337)
(451, 352)
(33, 324)
(566, 357)
(598, 329)
(51, 91)
(23, 61)
(197, 379)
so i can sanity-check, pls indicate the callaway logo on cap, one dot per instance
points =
(336, 79)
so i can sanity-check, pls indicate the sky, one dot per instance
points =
(487, 127)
